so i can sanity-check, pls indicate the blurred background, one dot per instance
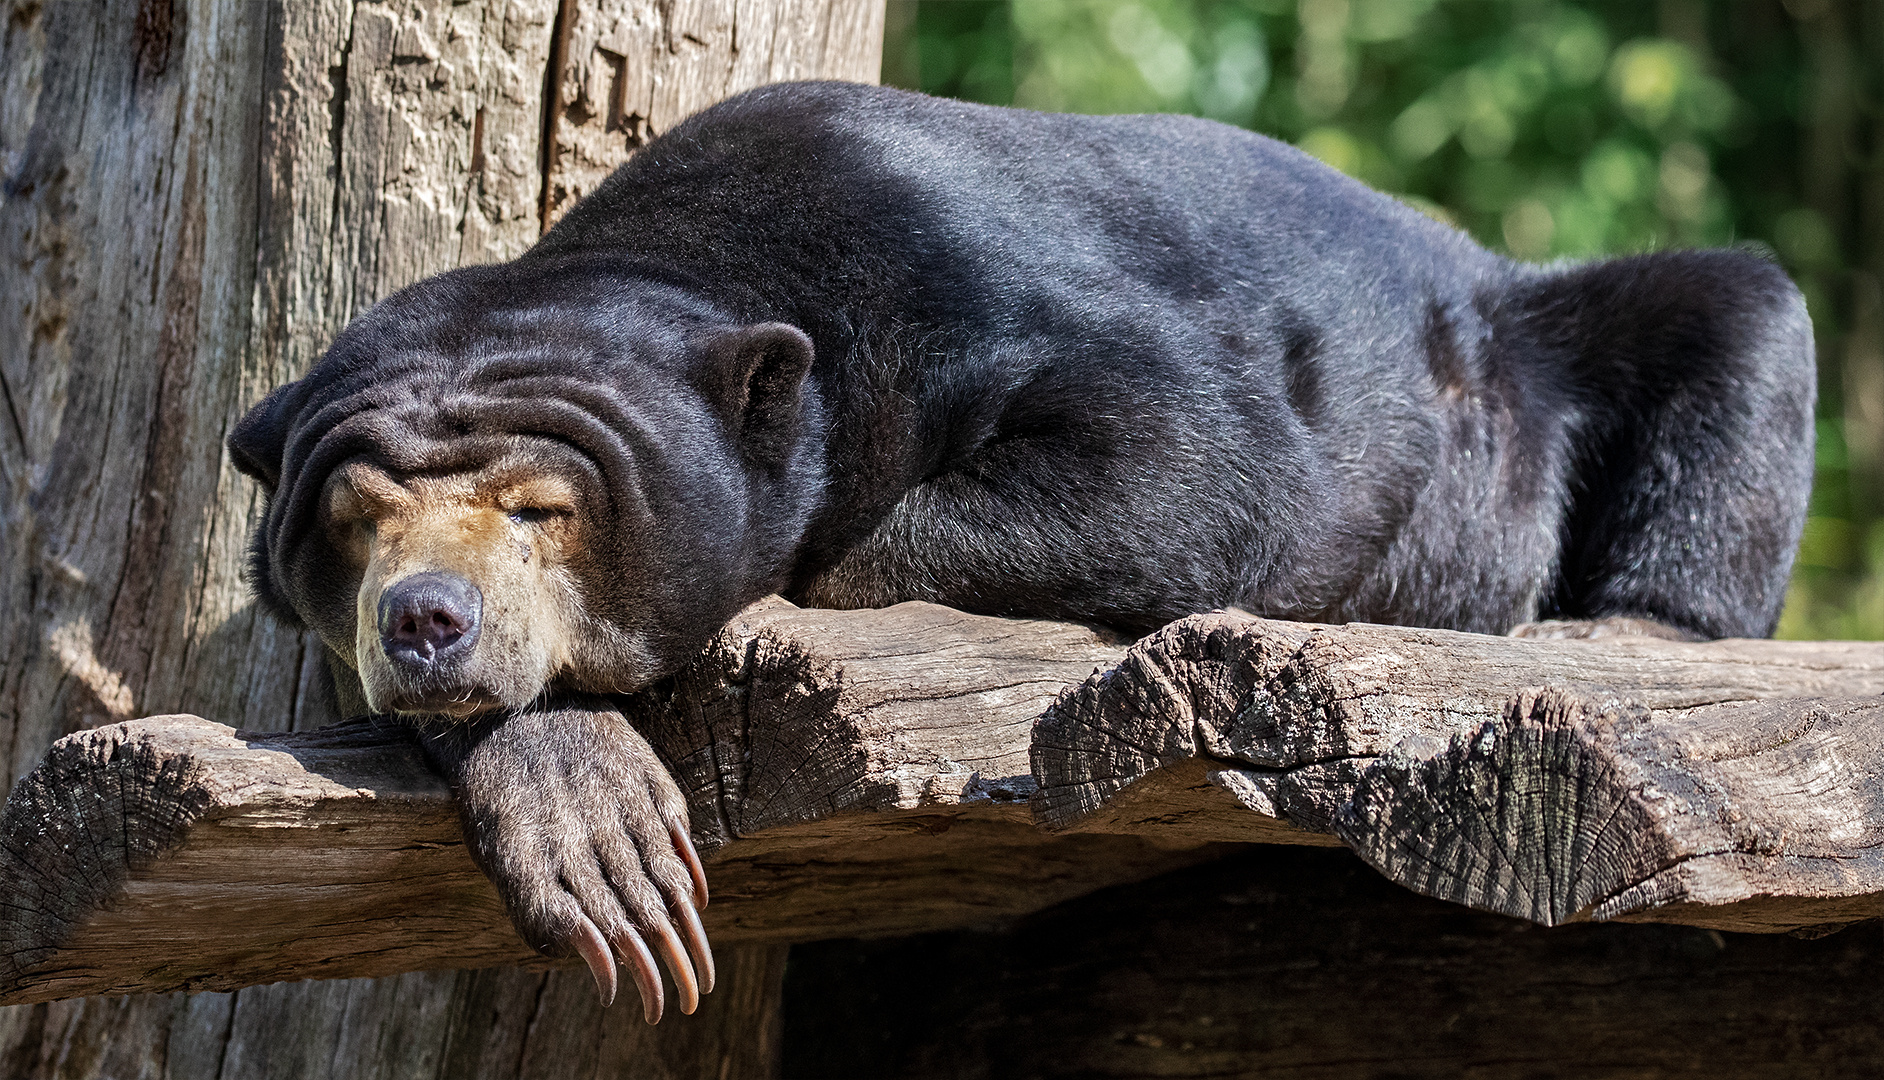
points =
(1547, 129)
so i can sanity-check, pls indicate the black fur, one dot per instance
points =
(1115, 369)
(864, 346)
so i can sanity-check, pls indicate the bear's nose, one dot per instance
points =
(428, 618)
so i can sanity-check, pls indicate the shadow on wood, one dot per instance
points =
(1298, 964)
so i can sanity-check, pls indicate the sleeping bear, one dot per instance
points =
(860, 346)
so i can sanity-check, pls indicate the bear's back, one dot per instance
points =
(1200, 285)
(839, 196)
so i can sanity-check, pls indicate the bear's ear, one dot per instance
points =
(261, 438)
(755, 378)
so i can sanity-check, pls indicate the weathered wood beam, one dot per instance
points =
(1749, 815)
(850, 772)
(176, 853)
(1704, 784)
(868, 773)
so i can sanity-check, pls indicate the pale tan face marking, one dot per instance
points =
(508, 530)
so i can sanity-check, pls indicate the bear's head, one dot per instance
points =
(548, 474)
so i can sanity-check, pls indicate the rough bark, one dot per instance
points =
(196, 197)
(1750, 815)
(849, 772)
(860, 773)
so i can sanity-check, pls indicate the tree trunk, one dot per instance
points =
(196, 197)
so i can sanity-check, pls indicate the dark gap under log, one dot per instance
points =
(1302, 964)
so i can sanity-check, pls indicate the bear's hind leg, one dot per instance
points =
(1692, 375)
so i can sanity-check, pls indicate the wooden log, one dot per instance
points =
(1415, 748)
(1749, 815)
(862, 773)
(1295, 706)
(849, 772)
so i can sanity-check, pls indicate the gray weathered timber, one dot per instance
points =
(862, 773)
(197, 196)
(1432, 754)
(1747, 815)
(849, 772)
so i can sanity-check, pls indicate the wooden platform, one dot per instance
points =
(881, 773)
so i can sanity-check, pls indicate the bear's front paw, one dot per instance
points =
(585, 835)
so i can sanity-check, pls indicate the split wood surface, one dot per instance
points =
(911, 769)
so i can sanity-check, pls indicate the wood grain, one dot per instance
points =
(861, 773)
(1298, 710)
(849, 772)
(631, 69)
(1753, 815)
(197, 196)
(509, 1022)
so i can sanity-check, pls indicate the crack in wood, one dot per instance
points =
(560, 29)
(337, 82)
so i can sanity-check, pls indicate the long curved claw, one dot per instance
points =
(588, 941)
(587, 853)
(697, 946)
(685, 988)
(634, 952)
(683, 844)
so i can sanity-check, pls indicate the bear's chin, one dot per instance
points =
(445, 699)
(445, 710)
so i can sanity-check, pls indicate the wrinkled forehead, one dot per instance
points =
(527, 474)
(421, 412)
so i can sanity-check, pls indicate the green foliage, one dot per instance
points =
(1546, 128)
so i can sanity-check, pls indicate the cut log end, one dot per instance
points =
(1762, 816)
(100, 807)
(1532, 815)
(1166, 702)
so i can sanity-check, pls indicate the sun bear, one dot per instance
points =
(860, 346)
